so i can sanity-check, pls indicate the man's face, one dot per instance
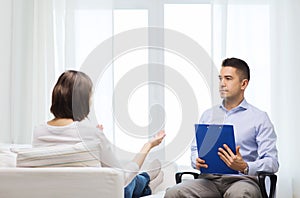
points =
(230, 85)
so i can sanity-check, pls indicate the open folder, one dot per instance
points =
(209, 138)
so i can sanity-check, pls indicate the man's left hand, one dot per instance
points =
(233, 161)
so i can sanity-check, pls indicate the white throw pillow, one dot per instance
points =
(78, 155)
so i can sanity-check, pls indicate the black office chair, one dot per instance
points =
(261, 180)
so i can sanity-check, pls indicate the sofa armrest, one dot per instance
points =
(61, 182)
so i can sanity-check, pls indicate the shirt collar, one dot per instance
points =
(242, 106)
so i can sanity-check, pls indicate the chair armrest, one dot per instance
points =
(178, 176)
(261, 180)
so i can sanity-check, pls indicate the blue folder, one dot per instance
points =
(209, 138)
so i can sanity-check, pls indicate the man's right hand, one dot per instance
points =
(200, 163)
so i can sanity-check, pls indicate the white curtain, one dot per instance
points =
(43, 39)
(285, 48)
(266, 35)
(30, 67)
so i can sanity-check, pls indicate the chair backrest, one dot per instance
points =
(272, 185)
(60, 182)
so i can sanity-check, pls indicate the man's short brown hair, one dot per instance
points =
(241, 66)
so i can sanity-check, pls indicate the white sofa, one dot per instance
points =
(76, 182)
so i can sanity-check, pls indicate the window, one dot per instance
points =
(137, 105)
(193, 20)
(222, 30)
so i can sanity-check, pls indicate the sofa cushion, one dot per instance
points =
(7, 158)
(78, 155)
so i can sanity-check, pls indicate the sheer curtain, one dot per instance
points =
(29, 69)
(285, 94)
(266, 35)
(43, 39)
